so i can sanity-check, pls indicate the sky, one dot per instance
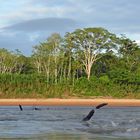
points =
(26, 23)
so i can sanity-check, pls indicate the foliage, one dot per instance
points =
(85, 63)
(90, 43)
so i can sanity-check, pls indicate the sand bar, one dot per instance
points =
(69, 102)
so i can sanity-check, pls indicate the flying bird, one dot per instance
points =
(20, 107)
(101, 105)
(91, 113)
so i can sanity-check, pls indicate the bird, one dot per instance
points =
(20, 107)
(101, 105)
(91, 113)
(37, 108)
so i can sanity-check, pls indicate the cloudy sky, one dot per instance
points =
(25, 23)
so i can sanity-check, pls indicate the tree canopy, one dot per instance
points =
(85, 61)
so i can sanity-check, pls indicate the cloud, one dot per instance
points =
(25, 23)
(26, 34)
(16, 41)
(119, 16)
(48, 24)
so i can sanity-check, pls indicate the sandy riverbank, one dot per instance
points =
(70, 102)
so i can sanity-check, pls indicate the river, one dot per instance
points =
(65, 123)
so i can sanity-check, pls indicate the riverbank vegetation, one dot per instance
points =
(88, 62)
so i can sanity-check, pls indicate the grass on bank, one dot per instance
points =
(36, 86)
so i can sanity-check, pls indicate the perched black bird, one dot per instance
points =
(91, 113)
(20, 107)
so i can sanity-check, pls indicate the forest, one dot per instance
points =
(85, 63)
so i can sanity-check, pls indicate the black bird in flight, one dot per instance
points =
(101, 105)
(91, 113)
(20, 107)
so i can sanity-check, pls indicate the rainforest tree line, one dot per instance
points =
(86, 62)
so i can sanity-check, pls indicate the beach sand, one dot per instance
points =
(69, 102)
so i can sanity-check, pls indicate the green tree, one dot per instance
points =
(90, 43)
(54, 42)
(46, 56)
(129, 52)
(11, 62)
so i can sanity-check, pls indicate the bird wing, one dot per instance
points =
(101, 105)
(90, 114)
(20, 107)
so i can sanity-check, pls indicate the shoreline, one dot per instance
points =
(70, 102)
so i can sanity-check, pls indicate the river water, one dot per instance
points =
(65, 123)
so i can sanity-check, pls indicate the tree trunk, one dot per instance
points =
(69, 68)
